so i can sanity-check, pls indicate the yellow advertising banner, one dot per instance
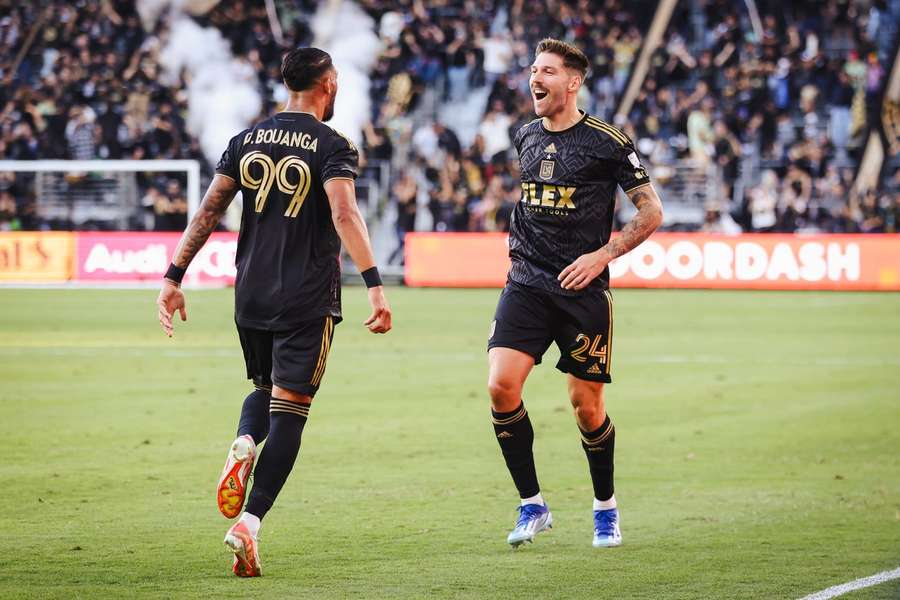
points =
(38, 257)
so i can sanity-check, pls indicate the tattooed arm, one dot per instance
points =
(587, 267)
(219, 195)
(648, 218)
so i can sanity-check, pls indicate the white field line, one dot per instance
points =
(858, 584)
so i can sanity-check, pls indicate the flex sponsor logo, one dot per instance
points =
(548, 199)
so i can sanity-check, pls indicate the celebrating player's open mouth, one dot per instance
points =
(541, 99)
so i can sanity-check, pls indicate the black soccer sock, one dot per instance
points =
(255, 415)
(599, 446)
(278, 456)
(515, 435)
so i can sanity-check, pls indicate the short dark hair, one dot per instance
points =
(302, 68)
(573, 58)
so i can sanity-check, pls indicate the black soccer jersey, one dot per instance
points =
(288, 268)
(569, 181)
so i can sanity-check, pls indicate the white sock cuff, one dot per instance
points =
(536, 499)
(605, 504)
(252, 522)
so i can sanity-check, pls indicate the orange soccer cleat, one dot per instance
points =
(232, 488)
(246, 555)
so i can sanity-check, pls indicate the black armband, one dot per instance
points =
(371, 277)
(174, 273)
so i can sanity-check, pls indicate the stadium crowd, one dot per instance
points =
(778, 118)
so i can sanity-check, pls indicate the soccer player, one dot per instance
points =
(558, 285)
(296, 176)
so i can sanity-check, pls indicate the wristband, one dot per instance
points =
(371, 277)
(174, 273)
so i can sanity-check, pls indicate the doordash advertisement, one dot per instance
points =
(681, 260)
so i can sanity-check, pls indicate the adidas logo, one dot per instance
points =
(595, 369)
(504, 435)
(595, 449)
(551, 149)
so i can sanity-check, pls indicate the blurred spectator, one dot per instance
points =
(716, 219)
(170, 208)
(841, 101)
(8, 219)
(763, 202)
(494, 130)
(700, 133)
(405, 193)
(81, 133)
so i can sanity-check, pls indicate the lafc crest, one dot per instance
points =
(546, 171)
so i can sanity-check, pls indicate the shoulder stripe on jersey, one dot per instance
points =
(615, 138)
(340, 133)
(603, 123)
(606, 127)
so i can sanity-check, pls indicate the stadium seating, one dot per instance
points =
(744, 132)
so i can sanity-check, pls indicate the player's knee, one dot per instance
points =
(588, 403)
(589, 415)
(504, 392)
(290, 395)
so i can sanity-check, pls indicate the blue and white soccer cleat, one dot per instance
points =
(533, 519)
(606, 528)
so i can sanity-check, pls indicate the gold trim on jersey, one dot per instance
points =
(343, 135)
(338, 177)
(606, 128)
(609, 331)
(324, 347)
(631, 189)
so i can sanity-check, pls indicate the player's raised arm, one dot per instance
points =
(219, 195)
(351, 228)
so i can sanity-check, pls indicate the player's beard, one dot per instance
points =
(329, 110)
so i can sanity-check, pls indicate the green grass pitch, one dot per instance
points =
(757, 455)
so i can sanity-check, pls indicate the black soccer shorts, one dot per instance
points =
(529, 320)
(294, 359)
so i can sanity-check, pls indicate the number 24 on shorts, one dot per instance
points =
(591, 346)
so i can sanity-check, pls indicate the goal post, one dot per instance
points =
(116, 183)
